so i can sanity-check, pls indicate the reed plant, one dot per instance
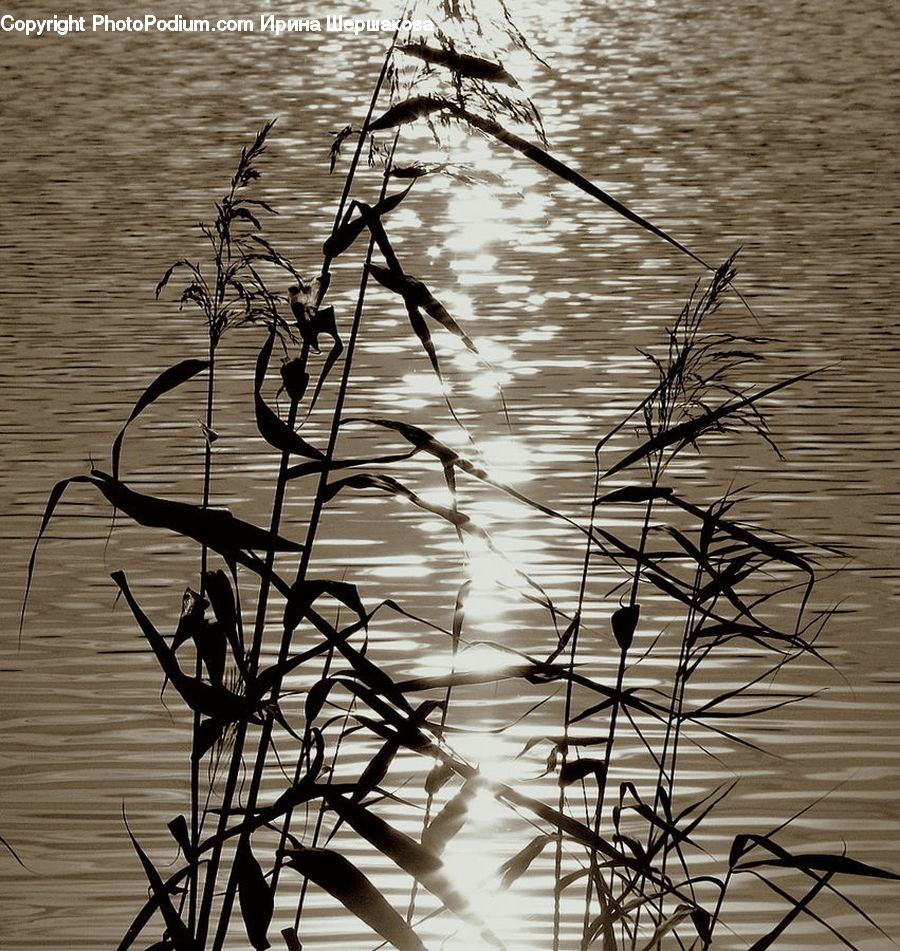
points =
(297, 729)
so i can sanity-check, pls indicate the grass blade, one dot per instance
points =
(473, 67)
(257, 903)
(166, 381)
(345, 882)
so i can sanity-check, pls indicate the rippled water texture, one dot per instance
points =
(771, 126)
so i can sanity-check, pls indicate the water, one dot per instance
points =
(770, 126)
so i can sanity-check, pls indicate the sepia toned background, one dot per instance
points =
(766, 126)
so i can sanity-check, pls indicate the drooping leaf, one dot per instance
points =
(567, 824)
(216, 528)
(56, 493)
(516, 866)
(450, 819)
(177, 930)
(271, 427)
(168, 380)
(323, 323)
(393, 487)
(255, 897)
(304, 593)
(212, 700)
(345, 882)
(407, 111)
(417, 295)
(472, 66)
(563, 171)
(346, 233)
(576, 769)
(415, 859)
(221, 596)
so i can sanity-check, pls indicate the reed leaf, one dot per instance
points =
(168, 380)
(515, 867)
(691, 429)
(417, 295)
(407, 111)
(798, 907)
(817, 862)
(415, 859)
(473, 67)
(350, 230)
(221, 597)
(418, 861)
(681, 914)
(563, 171)
(211, 700)
(345, 882)
(572, 771)
(377, 767)
(450, 819)
(218, 529)
(270, 425)
(633, 493)
(179, 936)
(566, 824)
(305, 592)
(255, 897)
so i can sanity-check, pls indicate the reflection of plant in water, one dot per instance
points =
(292, 667)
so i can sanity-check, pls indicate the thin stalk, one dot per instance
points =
(240, 735)
(284, 649)
(567, 706)
(198, 670)
(614, 710)
(252, 667)
(305, 555)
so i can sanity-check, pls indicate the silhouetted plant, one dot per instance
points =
(690, 567)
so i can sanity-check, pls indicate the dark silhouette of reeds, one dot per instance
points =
(311, 699)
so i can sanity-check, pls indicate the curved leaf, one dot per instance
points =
(407, 111)
(345, 882)
(166, 381)
(472, 66)
(271, 427)
(255, 897)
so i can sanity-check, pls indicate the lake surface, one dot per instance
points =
(766, 126)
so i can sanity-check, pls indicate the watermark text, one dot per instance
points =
(264, 23)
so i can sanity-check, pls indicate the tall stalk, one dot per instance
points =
(312, 528)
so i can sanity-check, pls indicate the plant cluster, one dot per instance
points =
(272, 660)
